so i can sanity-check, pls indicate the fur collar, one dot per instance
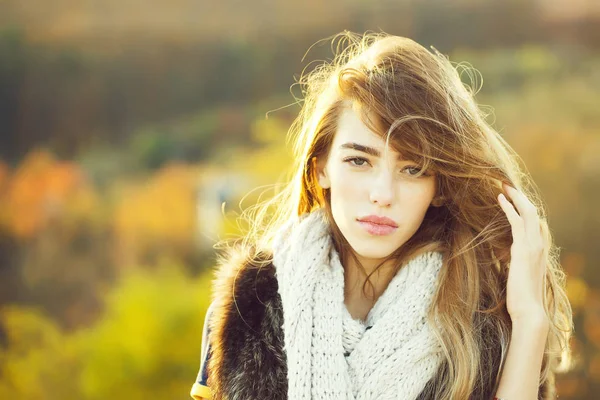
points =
(247, 356)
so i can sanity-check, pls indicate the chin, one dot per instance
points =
(366, 250)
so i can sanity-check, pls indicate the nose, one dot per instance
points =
(382, 189)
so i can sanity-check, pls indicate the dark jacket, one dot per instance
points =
(246, 359)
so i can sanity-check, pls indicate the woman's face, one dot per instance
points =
(366, 178)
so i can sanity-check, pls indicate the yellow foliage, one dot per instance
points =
(163, 209)
(577, 290)
(268, 131)
(37, 360)
(591, 324)
(145, 346)
(268, 163)
(150, 334)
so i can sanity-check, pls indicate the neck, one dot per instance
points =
(355, 277)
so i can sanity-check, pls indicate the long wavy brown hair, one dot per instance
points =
(416, 99)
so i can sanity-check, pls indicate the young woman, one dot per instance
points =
(408, 257)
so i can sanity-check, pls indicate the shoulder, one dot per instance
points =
(245, 325)
(245, 300)
(245, 283)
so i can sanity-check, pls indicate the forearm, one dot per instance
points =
(521, 373)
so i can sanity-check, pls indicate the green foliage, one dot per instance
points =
(145, 346)
(39, 362)
(153, 148)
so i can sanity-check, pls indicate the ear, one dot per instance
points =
(321, 172)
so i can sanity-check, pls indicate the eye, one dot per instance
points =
(413, 168)
(356, 161)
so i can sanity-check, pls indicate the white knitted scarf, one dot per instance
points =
(330, 356)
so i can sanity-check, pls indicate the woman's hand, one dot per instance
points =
(528, 253)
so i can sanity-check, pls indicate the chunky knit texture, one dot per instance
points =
(331, 356)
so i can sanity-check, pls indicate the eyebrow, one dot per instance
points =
(365, 149)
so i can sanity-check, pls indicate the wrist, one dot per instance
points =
(534, 323)
(530, 315)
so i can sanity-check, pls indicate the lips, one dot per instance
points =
(377, 225)
(379, 220)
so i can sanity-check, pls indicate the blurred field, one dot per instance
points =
(124, 127)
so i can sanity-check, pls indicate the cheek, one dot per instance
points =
(347, 185)
(417, 198)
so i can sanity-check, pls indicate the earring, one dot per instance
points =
(438, 201)
(325, 186)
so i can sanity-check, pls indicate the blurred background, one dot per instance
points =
(125, 125)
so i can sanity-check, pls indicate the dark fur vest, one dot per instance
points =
(247, 356)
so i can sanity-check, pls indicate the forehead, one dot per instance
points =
(351, 129)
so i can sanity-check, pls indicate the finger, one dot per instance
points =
(528, 212)
(523, 205)
(515, 220)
